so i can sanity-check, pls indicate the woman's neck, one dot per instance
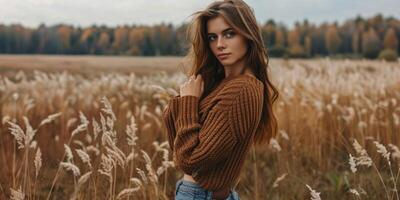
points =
(245, 70)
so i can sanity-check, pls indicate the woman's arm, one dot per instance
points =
(168, 120)
(199, 146)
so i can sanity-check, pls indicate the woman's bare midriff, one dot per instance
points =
(187, 177)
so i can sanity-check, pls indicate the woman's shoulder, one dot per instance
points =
(241, 83)
(242, 86)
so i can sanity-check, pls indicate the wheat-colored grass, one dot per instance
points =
(71, 136)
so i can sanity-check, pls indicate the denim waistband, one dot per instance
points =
(188, 184)
(192, 187)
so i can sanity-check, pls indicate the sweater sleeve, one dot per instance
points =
(168, 119)
(199, 146)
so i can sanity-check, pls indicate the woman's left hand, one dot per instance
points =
(192, 87)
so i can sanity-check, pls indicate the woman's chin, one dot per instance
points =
(225, 62)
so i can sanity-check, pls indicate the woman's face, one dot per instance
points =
(228, 46)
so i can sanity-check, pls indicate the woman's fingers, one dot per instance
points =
(194, 78)
(193, 86)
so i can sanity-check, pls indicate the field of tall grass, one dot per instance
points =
(68, 136)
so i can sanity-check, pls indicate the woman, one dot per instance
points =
(225, 106)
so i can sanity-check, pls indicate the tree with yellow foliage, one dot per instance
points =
(332, 40)
(391, 41)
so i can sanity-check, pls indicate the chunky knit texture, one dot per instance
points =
(210, 137)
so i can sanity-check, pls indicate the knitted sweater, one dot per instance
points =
(210, 137)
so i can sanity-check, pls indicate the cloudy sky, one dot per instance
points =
(118, 12)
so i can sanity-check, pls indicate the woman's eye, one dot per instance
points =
(211, 38)
(230, 34)
(227, 35)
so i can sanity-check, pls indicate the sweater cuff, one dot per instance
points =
(187, 108)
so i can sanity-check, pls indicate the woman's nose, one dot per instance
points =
(220, 43)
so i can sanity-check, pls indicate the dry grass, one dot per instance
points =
(69, 136)
(88, 66)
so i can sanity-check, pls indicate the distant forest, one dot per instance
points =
(356, 37)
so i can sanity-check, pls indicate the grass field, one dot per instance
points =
(88, 65)
(87, 127)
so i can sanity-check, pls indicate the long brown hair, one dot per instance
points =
(241, 17)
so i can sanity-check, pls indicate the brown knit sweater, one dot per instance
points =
(210, 137)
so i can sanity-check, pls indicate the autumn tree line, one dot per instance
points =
(370, 38)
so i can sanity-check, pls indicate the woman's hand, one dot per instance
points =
(192, 87)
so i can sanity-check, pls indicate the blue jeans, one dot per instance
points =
(186, 190)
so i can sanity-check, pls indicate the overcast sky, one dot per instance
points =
(118, 12)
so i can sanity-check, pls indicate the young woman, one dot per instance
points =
(225, 106)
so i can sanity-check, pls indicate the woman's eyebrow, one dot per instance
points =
(225, 30)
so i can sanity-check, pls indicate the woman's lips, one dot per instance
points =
(223, 56)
